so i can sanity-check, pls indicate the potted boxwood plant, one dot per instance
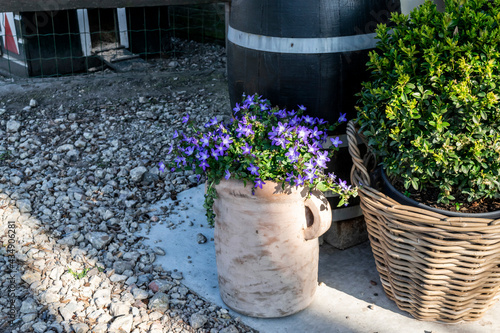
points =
(431, 111)
(264, 171)
(430, 115)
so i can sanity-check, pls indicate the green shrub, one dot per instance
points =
(431, 110)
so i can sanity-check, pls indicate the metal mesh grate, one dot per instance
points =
(68, 42)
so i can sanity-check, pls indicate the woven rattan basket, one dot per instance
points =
(433, 266)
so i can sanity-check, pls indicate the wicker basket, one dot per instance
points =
(433, 266)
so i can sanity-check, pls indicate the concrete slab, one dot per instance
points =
(349, 297)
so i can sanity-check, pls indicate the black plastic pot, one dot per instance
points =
(389, 190)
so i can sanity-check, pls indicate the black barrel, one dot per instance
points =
(311, 53)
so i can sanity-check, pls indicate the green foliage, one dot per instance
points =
(5, 155)
(80, 275)
(83, 273)
(431, 110)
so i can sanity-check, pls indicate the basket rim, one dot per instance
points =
(383, 203)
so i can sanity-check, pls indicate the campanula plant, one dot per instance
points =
(261, 143)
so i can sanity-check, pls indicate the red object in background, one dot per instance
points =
(10, 42)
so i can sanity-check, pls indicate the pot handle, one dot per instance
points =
(321, 218)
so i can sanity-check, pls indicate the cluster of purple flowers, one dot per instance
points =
(260, 143)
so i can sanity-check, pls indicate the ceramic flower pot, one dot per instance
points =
(267, 247)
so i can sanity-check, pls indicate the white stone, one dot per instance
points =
(137, 173)
(102, 297)
(122, 324)
(13, 126)
(39, 327)
(29, 317)
(100, 328)
(139, 293)
(117, 278)
(15, 180)
(50, 297)
(65, 148)
(80, 328)
(69, 310)
(98, 239)
(107, 215)
(160, 301)
(119, 309)
(29, 277)
(24, 205)
(197, 320)
(56, 272)
(80, 143)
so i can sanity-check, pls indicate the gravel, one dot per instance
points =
(78, 173)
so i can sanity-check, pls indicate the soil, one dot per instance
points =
(429, 197)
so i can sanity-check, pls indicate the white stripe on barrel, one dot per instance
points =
(301, 45)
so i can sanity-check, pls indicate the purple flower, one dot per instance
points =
(237, 108)
(292, 154)
(302, 132)
(264, 107)
(321, 121)
(204, 165)
(281, 113)
(272, 134)
(226, 140)
(280, 142)
(311, 174)
(332, 176)
(179, 160)
(259, 183)
(189, 150)
(302, 107)
(205, 140)
(310, 165)
(299, 180)
(308, 120)
(343, 185)
(228, 175)
(316, 133)
(248, 102)
(185, 119)
(342, 117)
(244, 130)
(336, 142)
(176, 134)
(292, 113)
(170, 149)
(215, 154)
(203, 155)
(289, 177)
(294, 121)
(281, 128)
(313, 148)
(321, 159)
(162, 166)
(253, 169)
(211, 122)
(220, 149)
(246, 149)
